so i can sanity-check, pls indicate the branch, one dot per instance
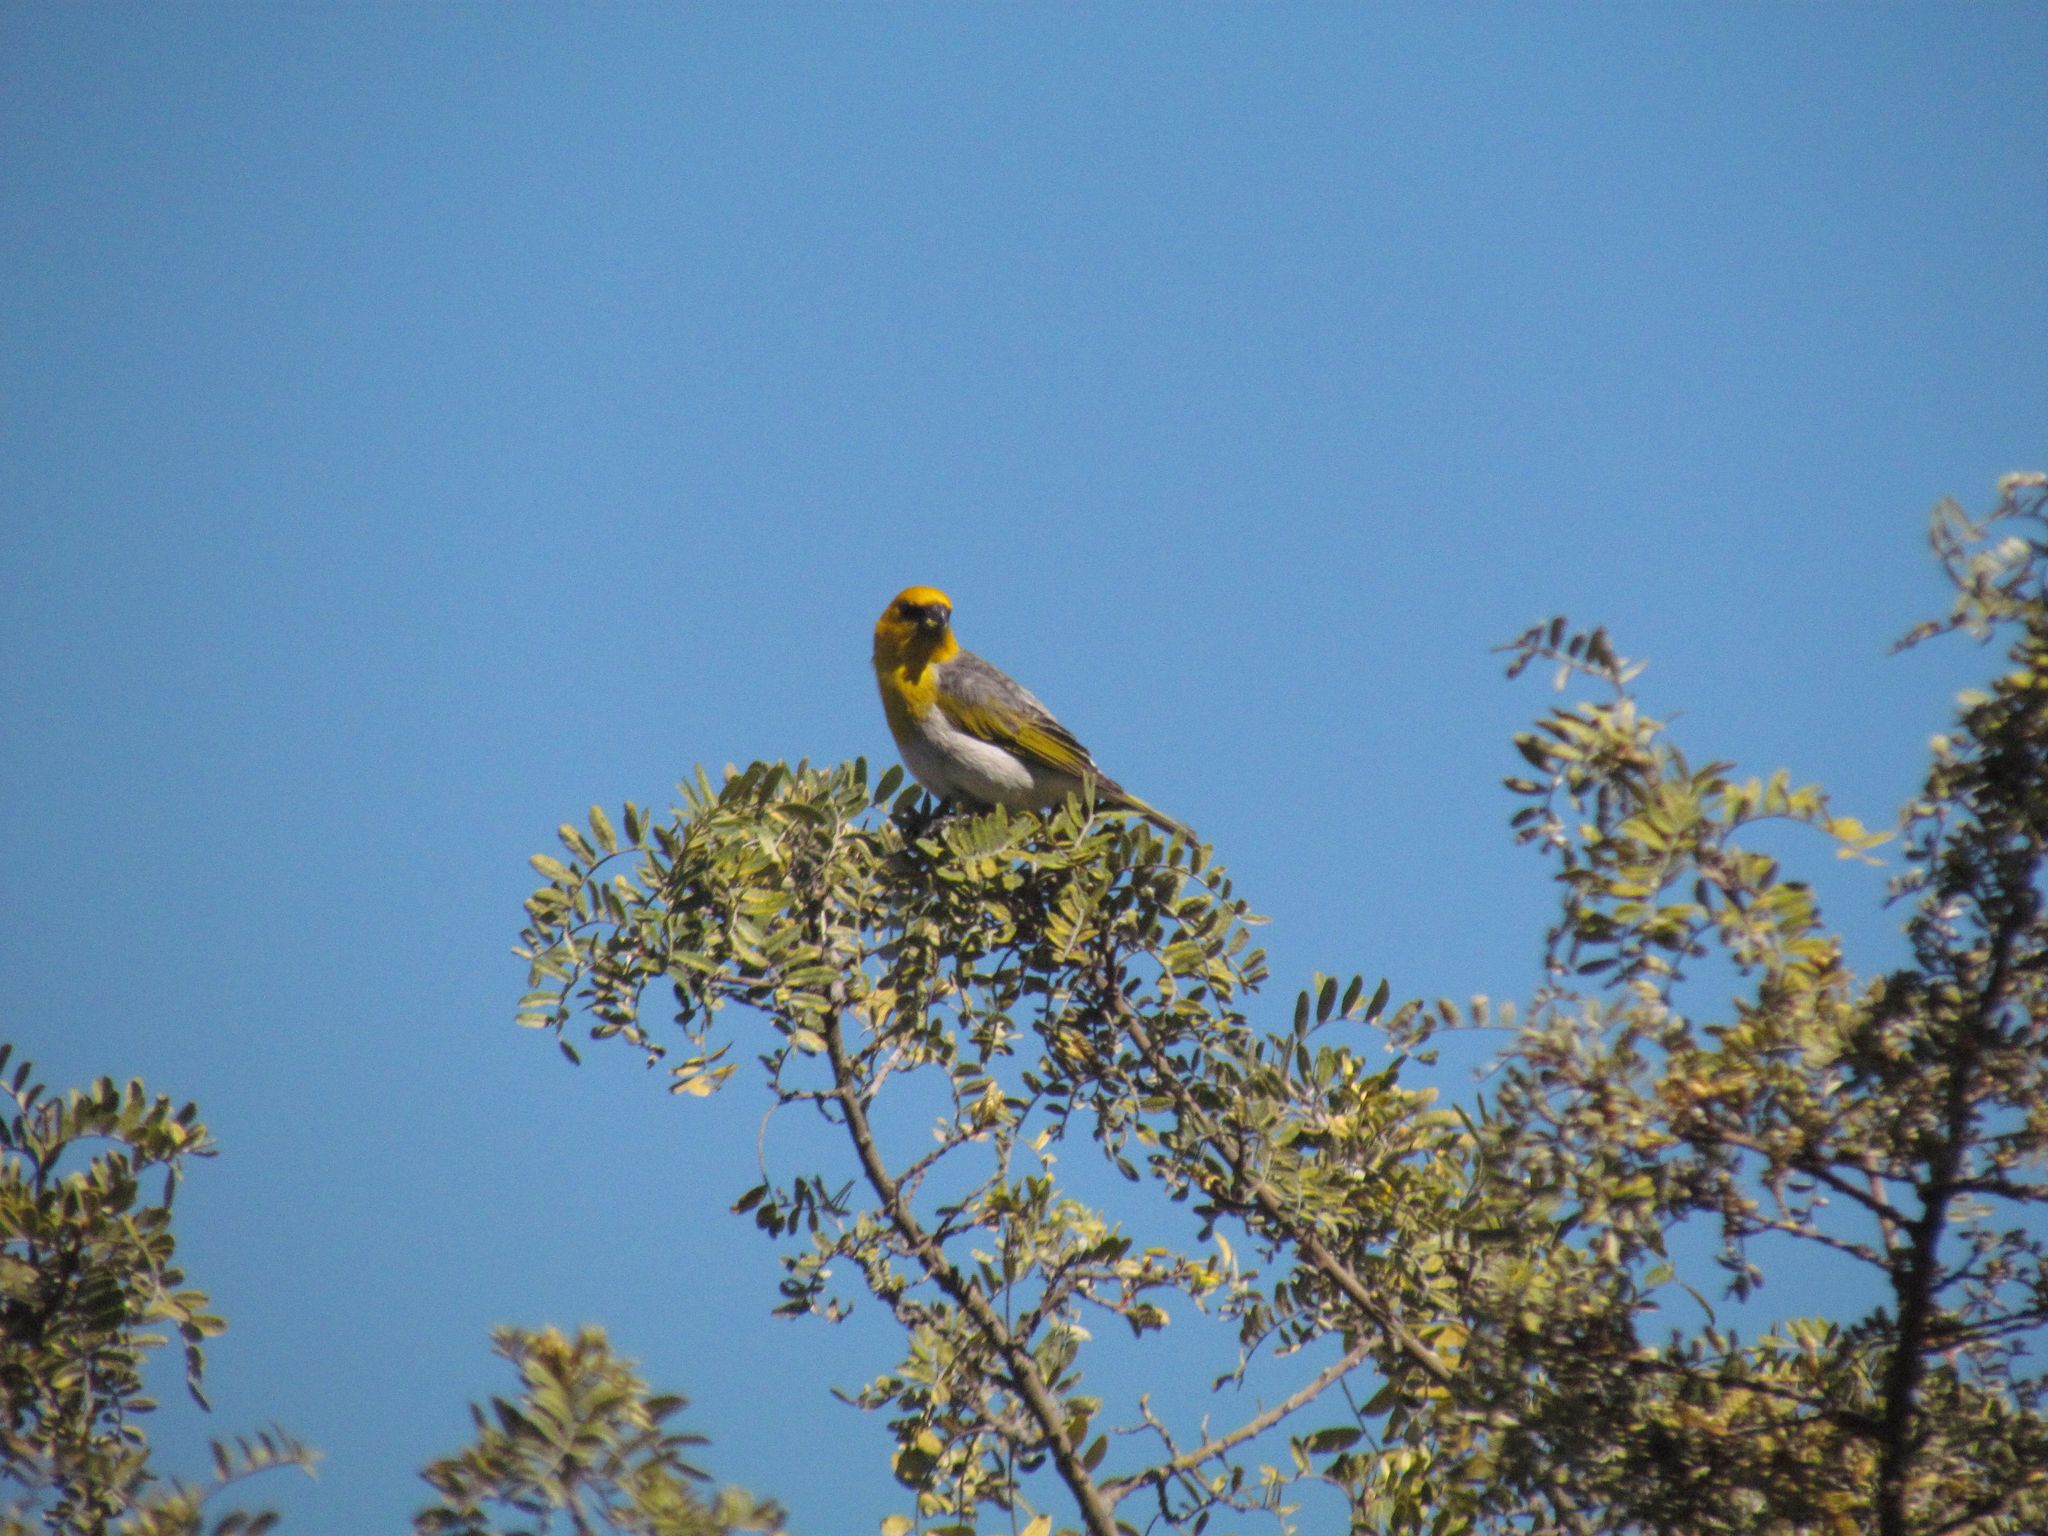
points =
(1120, 1488)
(1023, 1370)
(1862, 1425)
(1276, 1215)
(1863, 1253)
(1915, 1283)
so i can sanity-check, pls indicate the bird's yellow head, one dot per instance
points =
(916, 627)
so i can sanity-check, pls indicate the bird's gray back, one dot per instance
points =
(976, 682)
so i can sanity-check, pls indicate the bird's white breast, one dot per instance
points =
(955, 765)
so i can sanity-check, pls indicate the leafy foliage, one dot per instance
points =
(87, 1290)
(584, 1441)
(1465, 1320)
(1043, 979)
(1891, 1130)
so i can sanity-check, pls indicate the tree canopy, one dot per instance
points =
(1463, 1312)
(88, 1291)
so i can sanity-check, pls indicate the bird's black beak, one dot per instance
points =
(932, 620)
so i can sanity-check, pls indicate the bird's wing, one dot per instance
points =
(984, 701)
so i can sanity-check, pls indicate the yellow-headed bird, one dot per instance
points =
(968, 731)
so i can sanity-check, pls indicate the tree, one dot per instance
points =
(1891, 1129)
(586, 1440)
(88, 1290)
(1466, 1319)
(86, 1283)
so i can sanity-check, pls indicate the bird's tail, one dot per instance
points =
(1115, 797)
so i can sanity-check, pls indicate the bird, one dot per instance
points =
(970, 732)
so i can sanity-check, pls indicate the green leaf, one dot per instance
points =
(1378, 1004)
(1327, 1442)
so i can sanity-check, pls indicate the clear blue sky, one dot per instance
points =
(418, 422)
